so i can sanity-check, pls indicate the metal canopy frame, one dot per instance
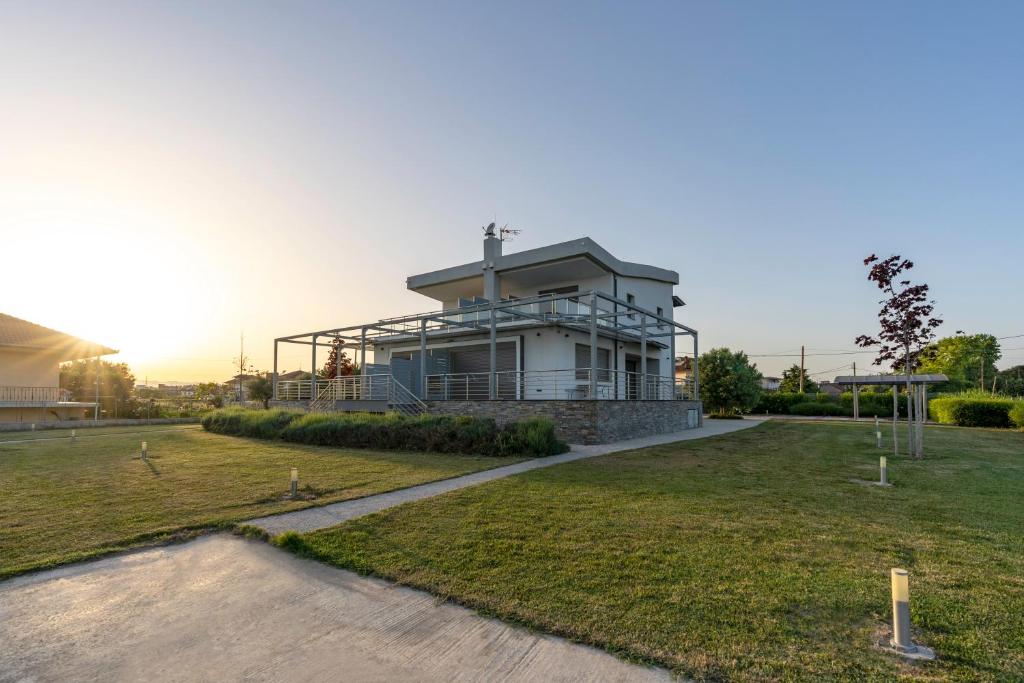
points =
(593, 312)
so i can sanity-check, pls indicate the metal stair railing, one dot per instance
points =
(381, 387)
(401, 400)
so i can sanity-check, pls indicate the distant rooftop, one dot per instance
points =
(18, 333)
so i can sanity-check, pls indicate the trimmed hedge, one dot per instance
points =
(971, 411)
(817, 409)
(434, 433)
(1017, 414)
(778, 402)
(259, 424)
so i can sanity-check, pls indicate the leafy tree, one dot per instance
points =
(211, 392)
(1011, 381)
(791, 381)
(261, 389)
(968, 360)
(729, 382)
(337, 357)
(116, 382)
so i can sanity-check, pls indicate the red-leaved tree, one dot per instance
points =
(906, 318)
(338, 363)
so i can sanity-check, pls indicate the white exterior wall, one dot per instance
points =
(649, 294)
(602, 284)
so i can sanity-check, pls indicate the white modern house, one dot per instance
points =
(568, 331)
(30, 358)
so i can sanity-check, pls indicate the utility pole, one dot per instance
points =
(801, 369)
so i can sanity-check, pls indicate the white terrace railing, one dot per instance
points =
(33, 396)
(379, 388)
(552, 385)
(294, 390)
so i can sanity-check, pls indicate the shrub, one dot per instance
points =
(816, 408)
(435, 433)
(971, 411)
(1017, 414)
(260, 424)
(778, 402)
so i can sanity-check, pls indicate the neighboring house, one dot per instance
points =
(771, 383)
(527, 333)
(684, 368)
(832, 389)
(30, 358)
(238, 383)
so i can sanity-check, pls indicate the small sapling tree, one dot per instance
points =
(906, 322)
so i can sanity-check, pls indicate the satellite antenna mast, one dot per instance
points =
(507, 234)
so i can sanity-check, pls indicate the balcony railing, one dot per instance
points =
(33, 396)
(550, 385)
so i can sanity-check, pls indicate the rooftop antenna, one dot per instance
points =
(507, 234)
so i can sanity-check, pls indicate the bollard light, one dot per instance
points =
(33, 426)
(145, 450)
(878, 433)
(901, 642)
(901, 610)
(884, 467)
(73, 437)
(295, 482)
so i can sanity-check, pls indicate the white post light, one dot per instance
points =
(901, 610)
(295, 482)
(901, 640)
(33, 426)
(145, 450)
(883, 466)
(878, 433)
(73, 436)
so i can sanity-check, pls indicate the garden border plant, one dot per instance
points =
(427, 433)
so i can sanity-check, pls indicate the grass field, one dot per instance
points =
(751, 556)
(64, 501)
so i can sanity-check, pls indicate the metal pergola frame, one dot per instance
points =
(641, 325)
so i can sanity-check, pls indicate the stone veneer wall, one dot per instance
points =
(583, 422)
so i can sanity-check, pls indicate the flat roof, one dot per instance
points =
(583, 247)
(890, 379)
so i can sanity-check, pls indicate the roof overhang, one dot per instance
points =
(569, 254)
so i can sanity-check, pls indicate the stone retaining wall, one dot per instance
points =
(584, 422)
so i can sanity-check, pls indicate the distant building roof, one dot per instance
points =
(294, 374)
(15, 332)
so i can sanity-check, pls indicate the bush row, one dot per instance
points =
(435, 433)
(976, 411)
(871, 403)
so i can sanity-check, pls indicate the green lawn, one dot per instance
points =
(745, 557)
(87, 431)
(62, 501)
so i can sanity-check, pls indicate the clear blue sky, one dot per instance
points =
(301, 159)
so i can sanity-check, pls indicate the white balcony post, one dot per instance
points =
(493, 357)
(643, 356)
(423, 359)
(312, 374)
(593, 346)
(362, 363)
(695, 370)
(274, 379)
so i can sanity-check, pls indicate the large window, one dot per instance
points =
(583, 362)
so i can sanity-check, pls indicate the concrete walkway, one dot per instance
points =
(222, 608)
(311, 519)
